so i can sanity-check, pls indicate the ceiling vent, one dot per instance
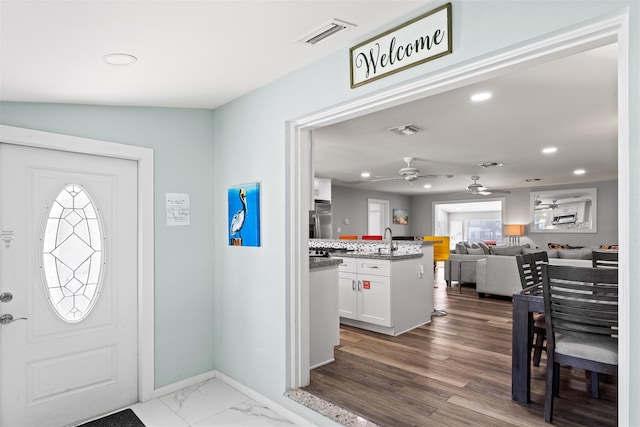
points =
(406, 130)
(330, 28)
(490, 164)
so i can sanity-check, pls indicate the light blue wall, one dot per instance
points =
(247, 299)
(184, 257)
(251, 291)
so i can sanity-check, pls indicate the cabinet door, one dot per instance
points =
(374, 299)
(348, 295)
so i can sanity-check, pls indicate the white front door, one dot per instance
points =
(68, 260)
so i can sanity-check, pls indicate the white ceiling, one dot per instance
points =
(570, 104)
(203, 54)
(191, 54)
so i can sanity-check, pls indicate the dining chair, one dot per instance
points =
(604, 259)
(529, 276)
(581, 311)
(348, 237)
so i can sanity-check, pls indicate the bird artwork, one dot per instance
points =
(244, 215)
(238, 218)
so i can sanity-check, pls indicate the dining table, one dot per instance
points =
(526, 302)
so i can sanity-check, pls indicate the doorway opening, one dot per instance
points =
(469, 221)
(586, 38)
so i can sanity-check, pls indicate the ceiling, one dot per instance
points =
(570, 104)
(203, 54)
(191, 54)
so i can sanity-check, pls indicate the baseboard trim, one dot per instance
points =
(172, 388)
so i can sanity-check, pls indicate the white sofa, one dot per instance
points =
(498, 274)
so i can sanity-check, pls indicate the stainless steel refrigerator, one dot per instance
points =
(320, 221)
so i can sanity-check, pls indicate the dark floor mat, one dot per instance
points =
(125, 418)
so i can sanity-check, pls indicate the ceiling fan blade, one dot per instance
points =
(500, 191)
(435, 176)
(387, 178)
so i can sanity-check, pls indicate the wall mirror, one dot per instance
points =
(564, 211)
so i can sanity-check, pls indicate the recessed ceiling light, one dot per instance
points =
(365, 174)
(119, 59)
(549, 150)
(579, 172)
(427, 186)
(481, 96)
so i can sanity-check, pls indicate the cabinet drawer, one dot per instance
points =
(374, 266)
(348, 265)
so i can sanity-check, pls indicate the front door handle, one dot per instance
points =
(5, 319)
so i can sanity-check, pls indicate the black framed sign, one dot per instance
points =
(422, 39)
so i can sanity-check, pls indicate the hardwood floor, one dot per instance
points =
(454, 371)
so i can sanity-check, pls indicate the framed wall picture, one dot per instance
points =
(401, 216)
(244, 215)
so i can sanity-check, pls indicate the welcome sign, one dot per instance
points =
(420, 40)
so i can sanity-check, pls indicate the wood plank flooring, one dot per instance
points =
(454, 371)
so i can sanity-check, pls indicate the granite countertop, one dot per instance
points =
(376, 256)
(315, 262)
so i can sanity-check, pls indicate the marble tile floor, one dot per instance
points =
(208, 404)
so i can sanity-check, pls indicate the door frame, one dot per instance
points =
(145, 239)
(546, 48)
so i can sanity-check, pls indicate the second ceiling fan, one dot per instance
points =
(480, 190)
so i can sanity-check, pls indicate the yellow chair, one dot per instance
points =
(441, 249)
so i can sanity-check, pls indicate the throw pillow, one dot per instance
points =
(506, 250)
(558, 245)
(461, 249)
(485, 248)
(584, 253)
(609, 247)
(475, 251)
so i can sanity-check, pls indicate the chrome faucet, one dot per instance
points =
(384, 236)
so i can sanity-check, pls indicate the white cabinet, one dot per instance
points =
(386, 296)
(365, 290)
(322, 189)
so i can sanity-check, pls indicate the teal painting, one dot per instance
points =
(244, 215)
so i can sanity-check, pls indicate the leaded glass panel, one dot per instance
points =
(72, 258)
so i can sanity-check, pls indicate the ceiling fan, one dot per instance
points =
(479, 189)
(539, 205)
(408, 173)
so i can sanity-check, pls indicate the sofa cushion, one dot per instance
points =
(506, 250)
(485, 248)
(558, 245)
(461, 249)
(609, 247)
(475, 251)
(551, 253)
(584, 253)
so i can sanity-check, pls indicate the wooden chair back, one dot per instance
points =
(605, 259)
(581, 313)
(527, 270)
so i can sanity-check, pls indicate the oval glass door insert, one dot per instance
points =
(72, 254)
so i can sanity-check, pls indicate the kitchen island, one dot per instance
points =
(388, 294)
(324, 324)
